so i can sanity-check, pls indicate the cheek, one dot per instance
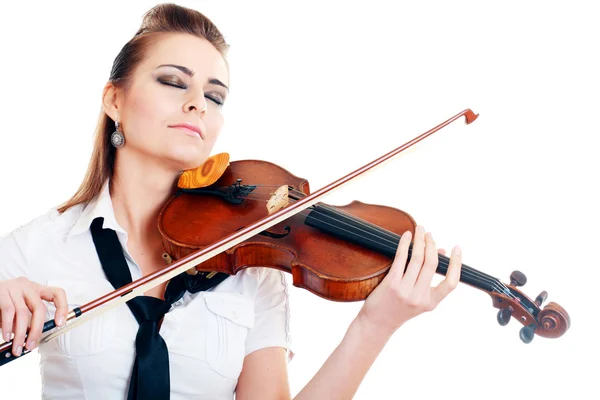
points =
(214, 123)
(145, 114)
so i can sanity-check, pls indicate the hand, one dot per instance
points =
(403, 295)
(21, 305)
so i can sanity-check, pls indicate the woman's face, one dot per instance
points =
(181, 76)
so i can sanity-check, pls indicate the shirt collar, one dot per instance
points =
(101, 206)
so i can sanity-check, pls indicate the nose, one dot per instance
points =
(196, 103)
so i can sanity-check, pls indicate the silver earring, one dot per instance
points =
(117, 139)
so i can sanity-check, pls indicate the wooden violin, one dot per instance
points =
(226, 217)
(339, 253)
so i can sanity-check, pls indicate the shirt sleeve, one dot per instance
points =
(272, 314)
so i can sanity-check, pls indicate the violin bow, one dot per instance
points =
(122, 295)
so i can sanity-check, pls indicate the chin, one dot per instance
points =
(184, 156)
(184, 160)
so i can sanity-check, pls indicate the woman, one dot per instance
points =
(162, 115)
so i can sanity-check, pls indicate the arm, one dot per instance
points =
(21, 295)
(344, 370)
(265, 376)
(402, 295)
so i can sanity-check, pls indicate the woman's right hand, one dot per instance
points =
(21, 307)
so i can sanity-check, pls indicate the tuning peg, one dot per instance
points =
(517, 278)
(527, 332)
(541, 298)
(504, 316)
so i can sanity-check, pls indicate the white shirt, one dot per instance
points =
(208, 334)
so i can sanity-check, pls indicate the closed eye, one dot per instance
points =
(214, 97)
(173, 84)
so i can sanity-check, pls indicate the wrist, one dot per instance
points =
(371, 331)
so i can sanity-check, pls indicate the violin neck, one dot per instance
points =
(373, 237)
(471, 276)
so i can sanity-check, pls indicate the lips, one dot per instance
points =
(190, 129)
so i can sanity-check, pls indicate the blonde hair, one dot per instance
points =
(163, 18)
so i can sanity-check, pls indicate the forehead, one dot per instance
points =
(189, 51)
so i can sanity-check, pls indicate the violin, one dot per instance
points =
(228, 216)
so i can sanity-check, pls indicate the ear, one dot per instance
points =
(111, 101)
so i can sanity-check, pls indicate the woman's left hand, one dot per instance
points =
(403, 295)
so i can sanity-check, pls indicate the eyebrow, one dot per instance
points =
(190, 73)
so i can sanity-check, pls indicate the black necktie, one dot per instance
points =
(150, 375)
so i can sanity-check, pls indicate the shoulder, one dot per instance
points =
(271, 312)
(47, 225)
(33, 238)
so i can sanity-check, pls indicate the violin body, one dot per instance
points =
(326, 265)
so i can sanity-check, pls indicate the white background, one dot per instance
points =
(322, 88)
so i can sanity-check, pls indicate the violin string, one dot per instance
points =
(392, 236)
(465, 271)
(389, 237)
(443, 260)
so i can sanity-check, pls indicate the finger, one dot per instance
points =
(442, 252)
(452, 276)
(399, 264)
(7, 309)
(38, 311)
(21, 321)
(416, 258)
(59, 298)
(429, 266)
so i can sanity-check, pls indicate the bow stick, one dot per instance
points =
(140, 286)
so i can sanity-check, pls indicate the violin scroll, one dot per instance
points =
(550, 322)
(554, 321)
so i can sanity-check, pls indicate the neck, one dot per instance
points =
(139, 188)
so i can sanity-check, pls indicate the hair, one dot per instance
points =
(161, 19)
